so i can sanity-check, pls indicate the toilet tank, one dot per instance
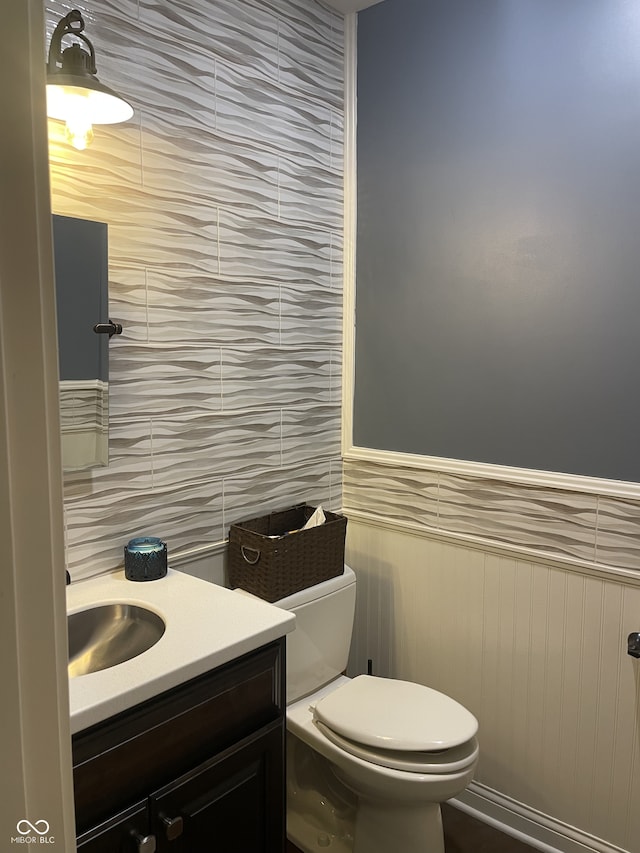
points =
(318, 648)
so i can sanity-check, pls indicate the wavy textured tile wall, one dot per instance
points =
(557, 523)
(223, 197)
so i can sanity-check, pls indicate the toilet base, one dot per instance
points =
(377, 829)
(320, 810)
(325, 816)
(389, 828)
(310, 839)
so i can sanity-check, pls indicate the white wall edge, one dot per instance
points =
(528, 825)
(492, 546)
(350, 219)
(487, 471)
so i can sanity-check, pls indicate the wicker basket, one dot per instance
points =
(268, 560)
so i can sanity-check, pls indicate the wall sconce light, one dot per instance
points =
(74, 93)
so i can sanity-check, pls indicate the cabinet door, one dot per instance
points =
(127, 832)
(232, 803)
(119, 761)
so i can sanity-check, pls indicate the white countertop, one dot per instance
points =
(206, 626)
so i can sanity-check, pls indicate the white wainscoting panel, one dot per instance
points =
(536, 652)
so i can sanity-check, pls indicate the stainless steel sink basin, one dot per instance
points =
(109, 634)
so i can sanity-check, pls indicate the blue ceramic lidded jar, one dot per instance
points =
(145, 559)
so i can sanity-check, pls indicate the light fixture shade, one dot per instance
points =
(103, 105)
(74, 93)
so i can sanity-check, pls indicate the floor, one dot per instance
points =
(464, 834)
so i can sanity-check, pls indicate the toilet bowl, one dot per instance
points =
(369, 759)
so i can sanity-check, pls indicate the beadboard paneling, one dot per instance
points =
(536, 652)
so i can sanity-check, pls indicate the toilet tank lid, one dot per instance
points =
(388, 714)
(313, 593)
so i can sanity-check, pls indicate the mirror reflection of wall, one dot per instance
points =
(81, 268)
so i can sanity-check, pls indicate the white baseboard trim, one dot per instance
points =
(528, 825)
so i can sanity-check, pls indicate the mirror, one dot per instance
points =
(82, 282)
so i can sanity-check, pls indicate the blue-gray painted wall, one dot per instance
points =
(498, 244)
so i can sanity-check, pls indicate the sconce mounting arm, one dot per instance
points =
(73, 59)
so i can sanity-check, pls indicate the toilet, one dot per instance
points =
(369, 760)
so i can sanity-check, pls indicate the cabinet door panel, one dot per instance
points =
(233, 803)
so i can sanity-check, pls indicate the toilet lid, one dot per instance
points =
(395, 715)
(454, 760)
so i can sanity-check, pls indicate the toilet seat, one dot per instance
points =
(452, 760)
(384, 715)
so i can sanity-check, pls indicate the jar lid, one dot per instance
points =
(146, 544)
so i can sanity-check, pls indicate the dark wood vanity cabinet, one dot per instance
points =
(198, 768)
